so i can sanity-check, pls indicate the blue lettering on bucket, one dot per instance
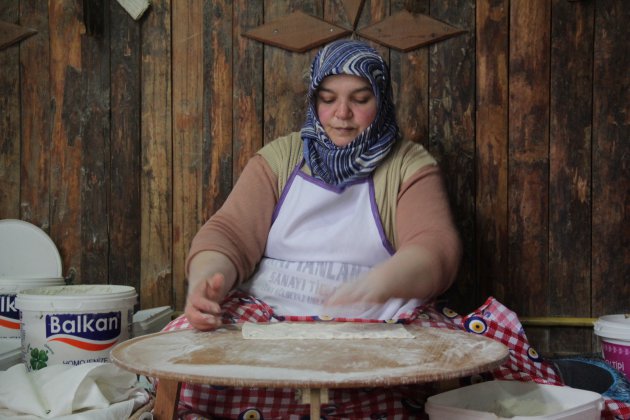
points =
(7, 307)
(91, 326)
(9, 315)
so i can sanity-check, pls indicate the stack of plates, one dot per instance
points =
(28, 258)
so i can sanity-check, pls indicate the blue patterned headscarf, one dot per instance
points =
(341, 165)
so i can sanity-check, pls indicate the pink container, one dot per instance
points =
(614, 334)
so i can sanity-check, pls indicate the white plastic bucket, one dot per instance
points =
(73, 324)
(614, 335)
(498, 400)
(9, 314)
(10, 353)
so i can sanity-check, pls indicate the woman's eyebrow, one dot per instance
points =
(363, 89)
(359, 90)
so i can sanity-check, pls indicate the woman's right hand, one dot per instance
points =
(203, 308)
(211, 275)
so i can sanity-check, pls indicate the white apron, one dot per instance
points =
(322, 237)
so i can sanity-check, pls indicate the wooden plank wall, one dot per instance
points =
(120, 137)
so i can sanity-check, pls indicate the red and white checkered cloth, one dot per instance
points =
(492, 319)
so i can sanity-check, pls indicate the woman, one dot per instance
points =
(347, 156)
(343, 219)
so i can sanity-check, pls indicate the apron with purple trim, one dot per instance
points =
(322, 237)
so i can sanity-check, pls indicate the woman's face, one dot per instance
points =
(346, 106)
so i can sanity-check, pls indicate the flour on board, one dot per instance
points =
(322, 330)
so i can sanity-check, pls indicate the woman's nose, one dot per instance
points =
(343, 111)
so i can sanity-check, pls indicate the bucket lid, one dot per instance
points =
(76, 297)
(613, 326)
(26, 251)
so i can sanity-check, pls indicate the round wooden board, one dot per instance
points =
(223, 357)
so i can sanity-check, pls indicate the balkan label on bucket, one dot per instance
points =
(9, 317)
(73, 324)
(9, 314)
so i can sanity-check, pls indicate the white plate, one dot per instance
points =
(26, 251)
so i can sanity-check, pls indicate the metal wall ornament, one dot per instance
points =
(11, 34)
(403, 31)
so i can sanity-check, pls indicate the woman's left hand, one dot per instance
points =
(367, 289)
(409, 274)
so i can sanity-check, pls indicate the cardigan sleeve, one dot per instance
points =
(424, 219)
(239, 229)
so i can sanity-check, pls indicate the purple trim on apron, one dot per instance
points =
(370, 180)
(377, 219)
(322, 184)
(297, 172)
(285, 191)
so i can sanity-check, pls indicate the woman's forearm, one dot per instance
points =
(205, 264)
(413, 272)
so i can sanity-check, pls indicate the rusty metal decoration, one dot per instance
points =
(297, 32)
(11, 34)
(403, 31)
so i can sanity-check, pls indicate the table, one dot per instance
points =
(224, 358)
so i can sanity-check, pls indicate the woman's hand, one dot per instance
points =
(203, 305)
(210, 278)
(409, 274)
(366, 290)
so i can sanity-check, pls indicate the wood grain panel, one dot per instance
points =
(248, 85)
(187, 135)
(10, 120)
(124, 191)
(95, 130)
(374, 11)
(452, 133)
(410, 80)
(569, 166)
(67, 150)
(286, 75)
(611, 148)
(491, 227)
(156, 136)
(36, 115)
(218, 105)
(336, 13)
(527, 286)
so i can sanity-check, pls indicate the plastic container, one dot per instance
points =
(73, 324)
(150, 321)
(28, 259)
(10, 353)
(9, 314)
(614, 334)
(515, 400)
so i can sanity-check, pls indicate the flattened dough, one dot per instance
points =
(322, 330)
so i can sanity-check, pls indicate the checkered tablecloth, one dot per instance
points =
(492, 320)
